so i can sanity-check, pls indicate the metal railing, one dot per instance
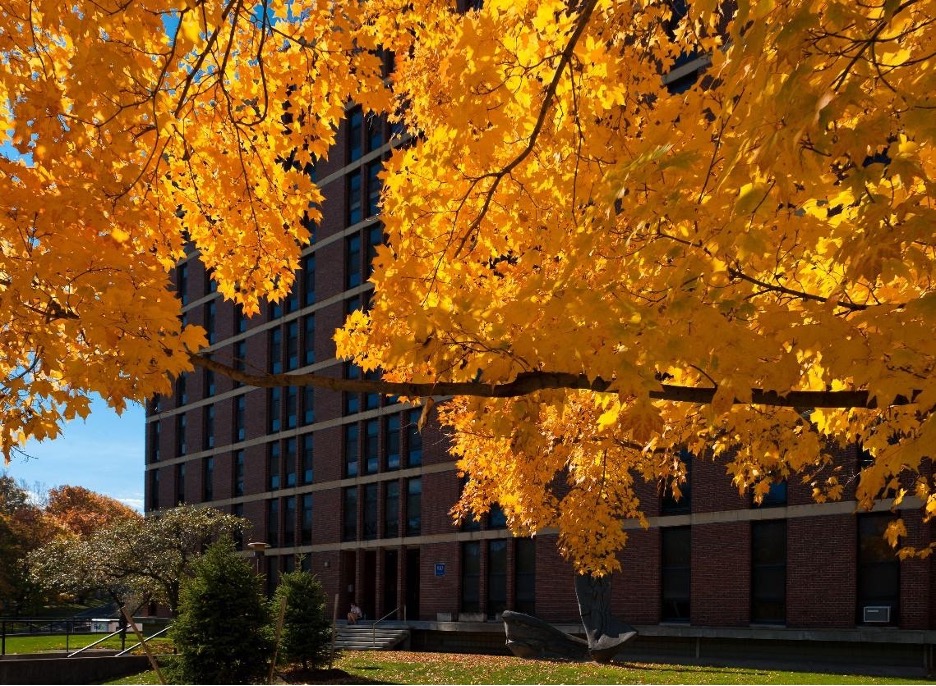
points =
(69, 628)
(374, 627)
(145, 639)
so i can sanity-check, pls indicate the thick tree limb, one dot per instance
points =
(530, 382)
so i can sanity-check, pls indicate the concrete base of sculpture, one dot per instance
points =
(531, 637)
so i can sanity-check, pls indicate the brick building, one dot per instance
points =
(347, 486)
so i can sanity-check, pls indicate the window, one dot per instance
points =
(211, 315)
(209, 383)
(373, 188)
(238, 489)
(471, 577)
(292, 407)
(180, 434)
(353, 261)
(182, 283)
(496, 578)
(291, 302)
(208, 424)
(273, 466)
(308, 279)
(352, 400)
(181, 391)
(355, 208)
(413, 440)
(392, 509)
(292, 345)
(768, 571)
(306, 534)
(374, 237)
(241, 319)
(351, 449)
(371, 446)
(240, 418)
(355, 135)
(276, 350)
(670, 505)
(308, 405)
(878, 568)
(308, 344)
(240, 358)
(275, 409)
(392, 429)
(308, 473)
(496, 517)
(776, 496)
(289, 520)
(375, 125)
(290, 459)
(369, 518)
(525, 576)
(349, 514)
(276, 310)
(273, 522)
(153, 489)
(154, 442)
(180, 483)
(372, 400)
(208, 479)
(675, 572)
(413, 506)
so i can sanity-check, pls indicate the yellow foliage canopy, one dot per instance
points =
(768, 229)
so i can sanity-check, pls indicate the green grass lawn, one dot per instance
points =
(399, 667)
(41, 644)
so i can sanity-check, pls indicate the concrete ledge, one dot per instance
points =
(72, 670)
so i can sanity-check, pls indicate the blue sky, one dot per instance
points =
(103, 453)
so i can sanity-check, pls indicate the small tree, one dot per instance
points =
(222, 631)
(306, 633)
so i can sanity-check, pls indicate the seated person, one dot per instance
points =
(354, 614)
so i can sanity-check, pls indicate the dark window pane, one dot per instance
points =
(355, 201)
(496, 578)
(471, 577)
(308, 405)
(392, 510)
(351, 449)
(525, 579)
(273, 466)
(307, 518)
(292, 345)
(670, 505)
(308, 279)
(290, 460)
(393, 441)
(675, 573)
(371, 446)
(373, 188)
(353, 261)
(289, 520)
(768, 571)
(308, 344)
(276, 350)
(878, 583)
(370, 511)
(413, 440)
(239, 473)
(413, 506)
(208, 479)
(292, 407)
(275, 409)
(355, 135)
(349, 515)
(272, 523)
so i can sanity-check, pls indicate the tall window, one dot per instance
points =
(308, 343)
(670, 505)
(352, 399)
(289, 520)
(290, 462)
(181, 390)
(525, 576)
(238, 473)
(182, 283)
(240, 358)
(355, 206)
(211, 315)
(675, 572)
(240, 418)
(154, 489)
(292, 345)
(276, 350)
(292, 407)
(180, 483)
(355, 135)
(392, 429)
(308, 280)
(471, 577)
(208, 424)
(371, 446)
(369, 514)
(353, 257)
(349, 514)
(208, 479)
(180, 434)
(414, 443)
(308, 473)
(209, 383)
(273, 466)
(878, 572)
(392, 509)
(154, 442)
(351, 450)
(496, 577)
(273, 522)
(308, 405)
(768, 571)
(275, 409)
(413, 506)
(306, 518)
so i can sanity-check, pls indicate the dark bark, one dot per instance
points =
(606, 634)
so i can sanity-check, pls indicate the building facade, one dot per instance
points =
(344, 485)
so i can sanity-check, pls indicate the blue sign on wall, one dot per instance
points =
(440, 569)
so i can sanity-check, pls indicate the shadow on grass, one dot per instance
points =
(684, 668)
(325, 676)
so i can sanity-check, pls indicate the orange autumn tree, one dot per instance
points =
(601, 272)
(80, 512)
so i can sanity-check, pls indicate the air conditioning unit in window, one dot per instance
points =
(876, 614)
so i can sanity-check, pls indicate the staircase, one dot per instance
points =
(363, 636)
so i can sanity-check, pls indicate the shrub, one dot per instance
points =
(222, 631)
(306, 636)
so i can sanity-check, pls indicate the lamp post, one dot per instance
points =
(259, 550)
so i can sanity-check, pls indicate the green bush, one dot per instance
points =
(222, 631)
(306, 637)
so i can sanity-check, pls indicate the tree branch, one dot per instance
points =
(530, 382)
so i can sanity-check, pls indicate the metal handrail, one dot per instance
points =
(100, 640)
(139, 643)
(374, 627)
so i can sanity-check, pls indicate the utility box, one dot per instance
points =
(104, 626)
